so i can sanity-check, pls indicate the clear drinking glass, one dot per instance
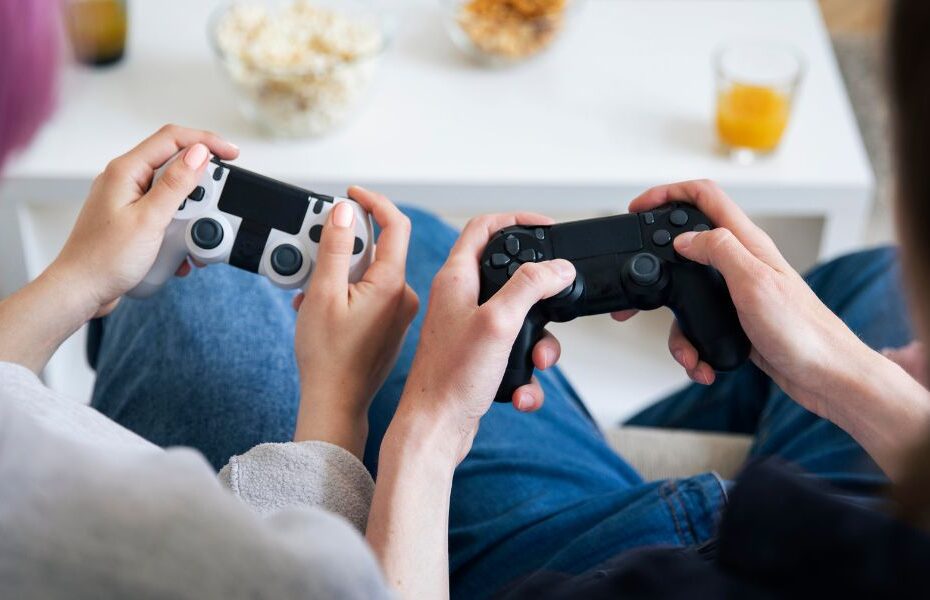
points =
(756, 85)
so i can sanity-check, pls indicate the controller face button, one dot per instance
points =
(359, 246)
(649, 218)
(316, 232)
(217, 173)
(527, 255)
(197, 194)
(286, 260)
(499, 259)
(701, 227)
(512, 268)
(512, 245)
(207, 233)
(678, 218)
(540, 233)
(645, 269)
(661, 237)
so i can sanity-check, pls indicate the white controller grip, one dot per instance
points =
(172, 253)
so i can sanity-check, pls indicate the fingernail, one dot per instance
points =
(233, 146)
(360, 188)
(524, 401)
(196, 155)
(704, 378)
(343, 215)
(564, 268)
(548, 357)
(679, 357)
(684, 240)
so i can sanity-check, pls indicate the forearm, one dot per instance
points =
(884, 409)
(328, 416)
(38, 318)
(408, 527)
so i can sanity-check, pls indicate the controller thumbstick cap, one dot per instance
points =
(286, 260)
(207, 233)
(645, 268)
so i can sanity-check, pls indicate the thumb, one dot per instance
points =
(720, 249)
(530, 283)
(175, 183)
(331, 272)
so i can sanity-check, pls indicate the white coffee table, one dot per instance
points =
(622, 103)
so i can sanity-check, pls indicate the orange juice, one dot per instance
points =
(752, 116)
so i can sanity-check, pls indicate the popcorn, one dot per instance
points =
(512, 29)
(303, 68)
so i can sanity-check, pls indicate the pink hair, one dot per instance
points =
(29, 53)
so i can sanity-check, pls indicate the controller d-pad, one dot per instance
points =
(217, 173)
(527, 255)
(197, 194)
(512, 245)
(316, 232)
(358, 246)
(701, 227)
(183, 204)
(499, 259)
(512, 268)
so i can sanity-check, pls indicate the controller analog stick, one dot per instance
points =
(645, 269)
(286, 260)
(207, 233)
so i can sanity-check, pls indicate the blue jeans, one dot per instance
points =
(208, 363)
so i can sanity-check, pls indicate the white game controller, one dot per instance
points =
(254, 223)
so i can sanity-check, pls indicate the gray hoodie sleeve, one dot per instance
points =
(270, 477)
(90, 510)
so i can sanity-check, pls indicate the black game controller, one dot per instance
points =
(622, 262)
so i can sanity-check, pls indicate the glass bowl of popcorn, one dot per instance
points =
(301, 67)
(502, 32)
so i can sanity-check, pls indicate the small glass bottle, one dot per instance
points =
(97, 29)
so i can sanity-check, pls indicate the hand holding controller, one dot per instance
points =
(254, 223)
(622, 262)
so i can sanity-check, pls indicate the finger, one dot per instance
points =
(717, 206)
(297, 301)
(462, 264)
(155, 150)
(703, 374)
(720, 249)
(530, 283)
(546, 352)
(682, 349)
(175, 183)
(478, 231)
(623, 315)
(184, 269)
(395, 226)
(331, 273)
(529, 397)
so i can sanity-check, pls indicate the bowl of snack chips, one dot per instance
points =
(300, 67)
(506, 31)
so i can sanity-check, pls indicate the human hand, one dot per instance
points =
(464, 347)
(796, 339)
(121, 226)
(348, 335)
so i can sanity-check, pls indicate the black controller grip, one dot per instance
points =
(520, 364)
(701, 291)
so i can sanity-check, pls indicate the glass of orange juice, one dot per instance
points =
(756, 84)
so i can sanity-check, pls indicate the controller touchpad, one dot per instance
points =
(595, 237)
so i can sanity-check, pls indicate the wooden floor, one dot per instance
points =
(855, 16)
